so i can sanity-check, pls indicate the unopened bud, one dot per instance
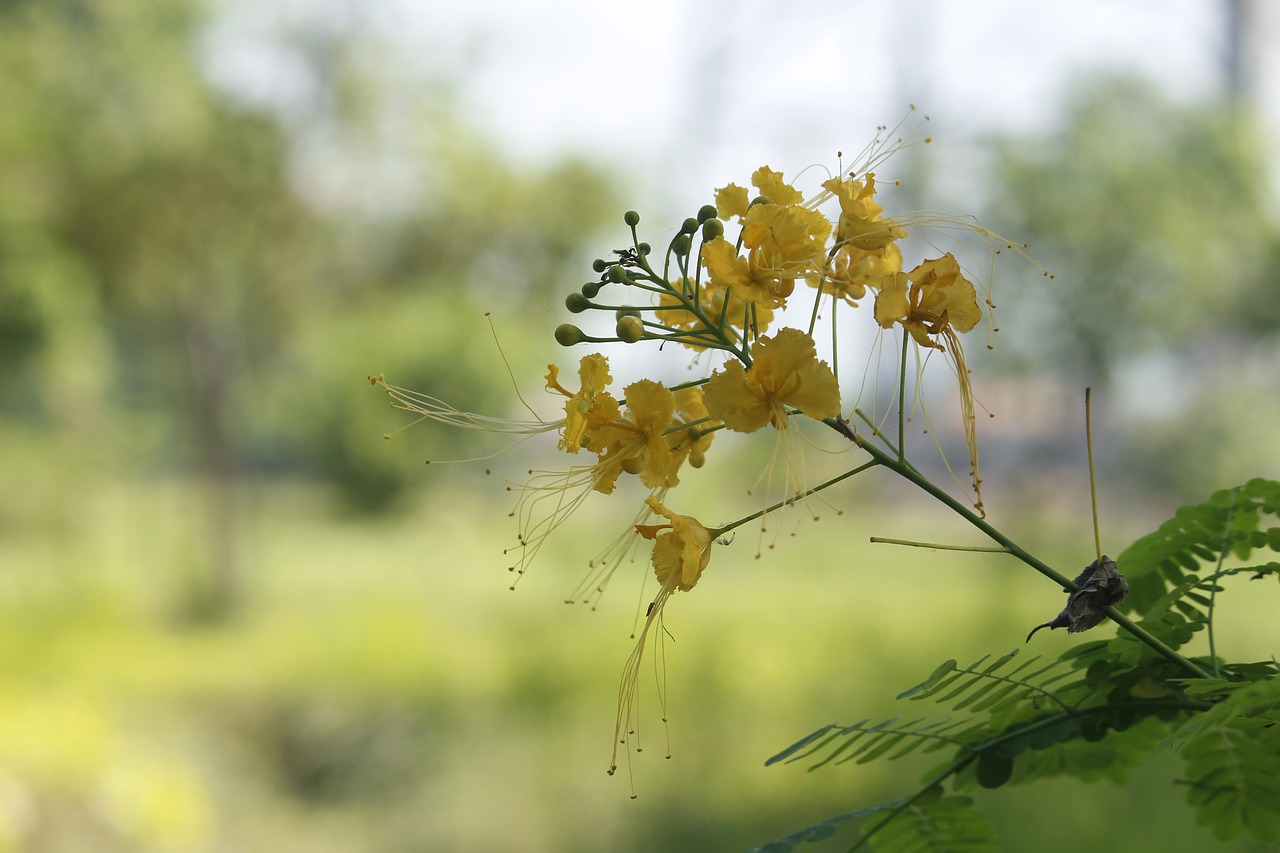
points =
(712, 229)
(631, 218)
(576, 303)
(707, 211)
(630, 329)
(568, 334)
(681, 245)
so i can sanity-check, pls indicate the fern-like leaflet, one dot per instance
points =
(1100, 708)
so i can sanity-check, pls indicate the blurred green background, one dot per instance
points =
(233, 617)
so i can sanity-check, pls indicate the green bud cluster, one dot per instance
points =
(676, 281)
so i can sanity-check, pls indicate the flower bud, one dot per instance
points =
(643, 248)
(576, 303)
(568, 334)
(592, 289)
(630, 329)
(689, 226)
(626, 312)
(599, 265)
(681, 245)
(707, 211)
(617, 274)
(712, 229)
(631, 218)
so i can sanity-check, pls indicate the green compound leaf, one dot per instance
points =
(1098, 710)
(825, 829)
(1237, 521)
(937, 824)
(1232, 781)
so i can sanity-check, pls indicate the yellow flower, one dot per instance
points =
(681, 551)
(940, 298)
(591, 407)
(637, 444)
(787, 240)
(770, 184)
(731, 201)
(750, 279)
(852, 270)
(785, 372)
(783, 243)
(939, 303)
(860, 224)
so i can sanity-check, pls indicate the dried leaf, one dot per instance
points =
(1099, 586)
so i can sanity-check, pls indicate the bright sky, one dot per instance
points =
(706, 91)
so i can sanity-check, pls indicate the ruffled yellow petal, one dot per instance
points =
(590, 407)
(785, 372)
(637, 444)
(681, 553)
(771, 184)
(743, 406)
(891, 302)
(946, 293)
(787, 367)
(860, 223)
(751, 279)
(731, 201)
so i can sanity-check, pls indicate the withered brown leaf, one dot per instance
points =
(1099, 586)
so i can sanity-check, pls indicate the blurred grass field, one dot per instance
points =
(383, 689)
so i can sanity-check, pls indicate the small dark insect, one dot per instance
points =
(1100, 585)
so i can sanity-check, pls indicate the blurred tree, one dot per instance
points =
(175, 256)
(1153, 216)
(172, 210)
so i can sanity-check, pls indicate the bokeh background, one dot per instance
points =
(233, 617)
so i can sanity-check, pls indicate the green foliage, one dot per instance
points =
(1100, 708)
(1117, 202)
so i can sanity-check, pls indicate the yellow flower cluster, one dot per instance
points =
(720, 288)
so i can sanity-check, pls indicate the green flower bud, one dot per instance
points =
(592, 289)
(617, 274)
(576, 303)
(630, 329)
(707, 211)
(599, 265)
(644, 248)
(568, 334)
(631, 218)
(760, 199)
(689, 226)
(712, 229)
(681, 245)
(626, 312)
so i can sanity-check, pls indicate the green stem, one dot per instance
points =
(935, 546)
(905, 470)
(720, 531)
(1213, 590)
(902, 401)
